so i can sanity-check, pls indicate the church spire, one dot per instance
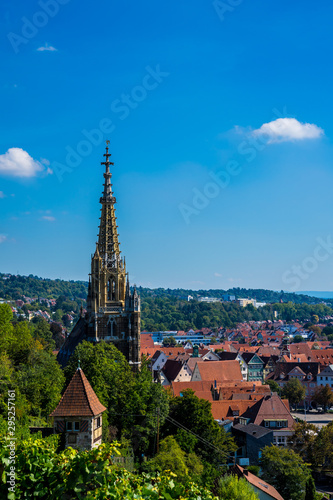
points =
(108, 244)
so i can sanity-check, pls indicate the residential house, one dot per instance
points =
(175, 371)
(202, 389)
(271, 412)
(251, 439)
(325, 377)
(306, 372)
(263, 490)
(217, 370)
(227, 356)
(255, 366)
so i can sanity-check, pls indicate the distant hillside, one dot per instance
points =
(166, 309)
(261, 295)
(14, 287)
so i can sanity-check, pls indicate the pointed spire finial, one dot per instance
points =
(78, 364)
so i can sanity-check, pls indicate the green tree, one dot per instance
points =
(323, 395)
(274, 386)
(303, 439)
(169, 341)
(42, 331)
(327, 330)
(206, 438)
(285, 470)
(323, 448)
(294, 391)
(170, 457)
(233, 488)
(132, 399)
(310, 489)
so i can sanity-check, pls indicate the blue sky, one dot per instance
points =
(219, 117)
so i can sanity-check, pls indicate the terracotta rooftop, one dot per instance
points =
(269, 407)
(79, 399)
(229, 410)
(198, 387)
(269, 491)
(220, 371)
(146, 340)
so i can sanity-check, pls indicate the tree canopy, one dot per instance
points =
(285, 470)
(294, 391)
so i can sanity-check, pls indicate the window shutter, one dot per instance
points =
(84, 426)
(61, 426)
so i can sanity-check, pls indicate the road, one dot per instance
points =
(313, 417)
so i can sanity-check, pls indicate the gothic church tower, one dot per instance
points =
(113, 312)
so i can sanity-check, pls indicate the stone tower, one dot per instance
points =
(79, 414)
(113, 311)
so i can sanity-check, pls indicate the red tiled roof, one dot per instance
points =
(79, 399)
(198, 386)
(269, 407)
(146, 340)
(148, 351)
(221, 410)
(220, 370)
(323, 356)
(257, 482)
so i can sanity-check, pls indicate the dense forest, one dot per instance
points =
(13, 287)
(166, 309)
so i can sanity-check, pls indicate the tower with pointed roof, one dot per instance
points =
(78, 415)
(113, 310)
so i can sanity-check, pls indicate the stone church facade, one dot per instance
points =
(113, 311)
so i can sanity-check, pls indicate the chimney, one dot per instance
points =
(298, 360)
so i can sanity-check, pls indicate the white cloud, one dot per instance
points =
(288, 129)
(218, 275)
(18, 163)
(2, 194)
(47, 47)
(49, 218)
(3, 238)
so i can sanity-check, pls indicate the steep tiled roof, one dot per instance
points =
(146, 340)
(323, 356)
(268, 351)
(148, 351)
(269, 407)
(79, 399)
(283, 368)
(299, 358)
(220, 370)
(222, 410)
(199, 386)
(269, 491)
(171, 369)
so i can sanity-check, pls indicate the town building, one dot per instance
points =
(78, 416)
(263, 490)
(325, 377)
(113, 311)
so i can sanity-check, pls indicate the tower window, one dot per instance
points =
(111, 290)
